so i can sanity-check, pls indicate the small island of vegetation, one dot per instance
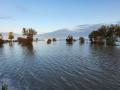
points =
(28, 36)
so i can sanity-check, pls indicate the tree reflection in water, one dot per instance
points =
(28, 50)
(11, 44)
(69, 43)
(81, 43)
(1, 45)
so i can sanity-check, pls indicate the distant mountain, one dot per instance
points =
(78, 31)
(85, 30)
(62, 33)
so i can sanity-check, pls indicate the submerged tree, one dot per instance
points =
(54, 39)
(94, 37)
(1, 39)
(4, 87)
(49, 41)
(82, 40)
(29, 33)
(70, 38)
(11, 36)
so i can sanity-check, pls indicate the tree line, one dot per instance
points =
(28, 34)
(106, 34)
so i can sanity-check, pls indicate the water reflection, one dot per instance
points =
(69, 43)
(81, 43)
(11, 44)
(28, 49)
(48, 42)
(1, 45)
(107, 63)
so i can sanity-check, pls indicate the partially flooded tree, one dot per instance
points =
(49, 41)
(96, 38)
(82, 40)
(28, 36)
(1, 38)
(69, 38)
(54, 39)
(10, 36)
(4, 87)
(109, 34)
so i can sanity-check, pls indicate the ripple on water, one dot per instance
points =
(60, 67)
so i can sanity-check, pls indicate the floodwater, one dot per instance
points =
(60, 66)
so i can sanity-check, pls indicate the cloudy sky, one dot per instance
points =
(50, 15)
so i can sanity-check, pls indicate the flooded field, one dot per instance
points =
(60, 66)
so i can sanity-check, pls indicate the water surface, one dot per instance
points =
(60, 66)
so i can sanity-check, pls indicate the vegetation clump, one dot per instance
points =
(49, 41)
(82, 40)
(10, 36)
(70, 39)
(4, 87)
(54, 39)
(28, 36)
(105, 35)
(1, 39)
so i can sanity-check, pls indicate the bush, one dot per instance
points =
(1, 41)
(82, 40)
(49, 41)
